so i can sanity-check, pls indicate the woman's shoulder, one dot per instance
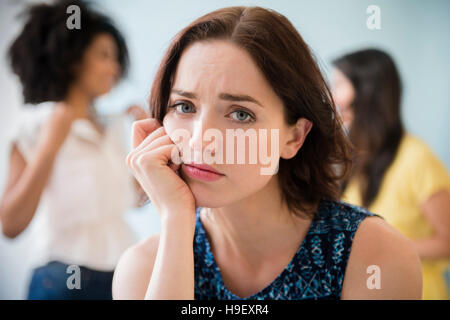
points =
(375, 246)
(340, 215)
(383, 264)
(134, 269)
(32, 116)
(413, 149)
(413, 141)
(25, 127)
(419, 166)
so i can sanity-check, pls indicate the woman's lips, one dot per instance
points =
(201, 172)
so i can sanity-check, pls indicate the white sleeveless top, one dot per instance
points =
(80, 215)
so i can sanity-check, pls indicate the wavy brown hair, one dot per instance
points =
(287, 63)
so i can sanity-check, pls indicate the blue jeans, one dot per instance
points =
(50, 282)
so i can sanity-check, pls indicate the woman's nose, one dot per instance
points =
(197, 143)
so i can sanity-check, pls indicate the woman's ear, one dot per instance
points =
(297, 136)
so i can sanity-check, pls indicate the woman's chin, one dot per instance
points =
(205, 197)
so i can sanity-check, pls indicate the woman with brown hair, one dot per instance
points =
(227, 230)
(396, 174)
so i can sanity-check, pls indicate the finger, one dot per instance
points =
(150, 138)
(163, 154)
(161, 141)
(157, 142)
(142, 128)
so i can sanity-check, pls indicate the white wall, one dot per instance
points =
(415, 32)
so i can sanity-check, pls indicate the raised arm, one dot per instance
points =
(26, 181)
(437, 211)
(172, 263)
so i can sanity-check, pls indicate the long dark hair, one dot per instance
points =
(286, 61)
(376, 129)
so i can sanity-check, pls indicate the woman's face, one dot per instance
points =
(218, 86)
(99, 68)
(343, 95)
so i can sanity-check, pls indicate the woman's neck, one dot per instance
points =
(261, 225)
(83, 106)
(80, 101)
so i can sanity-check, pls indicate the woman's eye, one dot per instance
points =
(183, 107)
(242, 116)
(238, 115)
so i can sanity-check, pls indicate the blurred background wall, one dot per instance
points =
(414, 32)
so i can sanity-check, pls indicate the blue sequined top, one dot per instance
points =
(315, 272)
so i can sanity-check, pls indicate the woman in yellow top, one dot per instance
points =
(396, 175)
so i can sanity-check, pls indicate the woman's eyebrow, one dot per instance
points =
(223, 96)
(183, 93)
(238, 97)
